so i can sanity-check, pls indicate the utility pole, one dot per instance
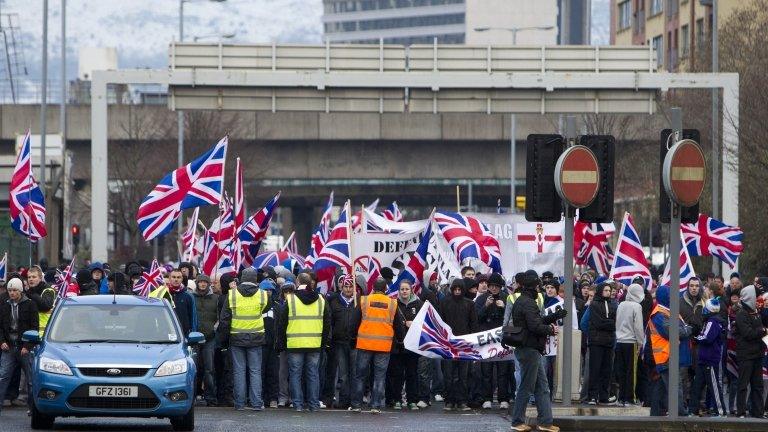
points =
(43, 113)
(674, 298)
(67, 247)
(715, 131)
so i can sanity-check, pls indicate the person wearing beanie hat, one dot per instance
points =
(85, 283)
(710, 344)
(490, 315)
(303, 329)
(345, 319)
(387, 274)
(460, 314)
(482, 283)
(207, 310)
(241, 327)
(18, 314)
(749, 353)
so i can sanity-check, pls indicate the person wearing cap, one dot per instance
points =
(379, 323)
(459, 313)
(206, 306)
(241, 327)
(707, 375)
(533, 378)
(303, 328)
(482, 283)
(345, 319)
(17, 315)
(490, 315)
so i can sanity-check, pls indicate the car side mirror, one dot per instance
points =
(31, 336)
(195, 338)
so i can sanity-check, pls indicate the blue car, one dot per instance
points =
(113, 356)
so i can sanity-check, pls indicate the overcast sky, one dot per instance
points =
(142, 29)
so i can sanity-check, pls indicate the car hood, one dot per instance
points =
(75, 354)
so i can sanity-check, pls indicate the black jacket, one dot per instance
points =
(184, 306)
(345, 319)
(206, 306)
(225, 322)
(602, 323)
(42, 298)
(749, 333)
(459, 313)
(429, 294)
(27, 320)
(281, 322)
(490, 317)
(527, 315)
(406, 312)
(691, 311)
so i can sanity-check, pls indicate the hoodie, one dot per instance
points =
(85, 283)
(245, 340)
(629, 317)
(749, 328)
(602, 322)
(307, 297)
(709, 341)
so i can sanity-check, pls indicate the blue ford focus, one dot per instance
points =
(113, 356)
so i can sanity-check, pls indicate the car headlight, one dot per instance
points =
(172, 367)
(54, 366)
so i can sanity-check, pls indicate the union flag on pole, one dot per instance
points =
(591, 245)
(417, 263)
(189, 238)
(709, 236)
(25, 201)
(63, 279)
(320, 236)
(686, 268)
(392, 212)
(335, 253)
(629, 260)
(254, 231)
(149, 280)
(469, 238)
(196, 184)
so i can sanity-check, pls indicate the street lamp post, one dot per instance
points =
(513, 118)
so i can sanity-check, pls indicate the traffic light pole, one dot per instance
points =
(674, 298)
(570, 133)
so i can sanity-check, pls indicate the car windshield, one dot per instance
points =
(113, 323)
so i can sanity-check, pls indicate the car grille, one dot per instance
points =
(102, 372)
(146, 400)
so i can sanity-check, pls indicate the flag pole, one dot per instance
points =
(458, 199)
(28, 206)
(348, 206)
(287, 242)
(221, 207)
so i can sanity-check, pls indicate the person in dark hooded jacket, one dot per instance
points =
(403, 364)
(85, 283)
(222, 358)
(602, 336)
(206, 306)
(458, 312)
(750, 350)
(118, 284)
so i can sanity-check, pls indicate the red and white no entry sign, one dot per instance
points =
(577, 176)
(684, 172)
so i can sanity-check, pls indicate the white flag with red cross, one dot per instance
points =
(540, 237)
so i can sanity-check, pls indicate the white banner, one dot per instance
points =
(430, 337)
(386, 225)
(383, 247)
(504, 227)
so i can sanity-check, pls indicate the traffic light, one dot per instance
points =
(601, 209)
(687, 214)
(75, 231)
(542, 203)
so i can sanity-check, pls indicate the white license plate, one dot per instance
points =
(113, 391)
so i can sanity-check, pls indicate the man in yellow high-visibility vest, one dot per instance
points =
(303, 328)
(241, 327)
(41, 294)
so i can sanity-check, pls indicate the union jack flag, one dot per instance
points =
(335, 253)
(216, 260)
(709, 237)
(254, 231)
(189, 238)
(276, 258)
(469, 238)
(320, 236)
(686, 269)
(4, 266)
(357, 217)
(417, 262)
(63, 279)
(438, 338)
(591, 247)
(149, 280)
(373, 272)
(629, 260)
(26, 201)
(392, 213)
(196, 184)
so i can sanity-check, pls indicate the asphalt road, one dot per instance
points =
(227, 420)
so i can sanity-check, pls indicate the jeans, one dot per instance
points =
(533, 380)
(304, 367)
(660, 389)
(709, 377)
(380, 362)
(250, 358)
(625, 371)
(502, 380)
(283, 394)
(224, 385)
(600, 367)
(10, 362)
(430, 378)
(455, 375)
(403, 370)
(206, 370)
(270, 366)
(344, 359)
(750, 375)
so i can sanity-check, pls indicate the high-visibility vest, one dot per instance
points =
(659, 344)
(539, 299)
(44, 317)
(163, 292)
(305, 323)
(246, 312)
(376, 331)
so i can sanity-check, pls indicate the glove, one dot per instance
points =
(561, 313)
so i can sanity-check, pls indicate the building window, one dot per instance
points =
(685, 42)
(672, 8)
(625, 14)
(658, 46)
(657, 7)
(700, 32)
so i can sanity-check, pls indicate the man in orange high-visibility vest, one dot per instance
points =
(378, 325)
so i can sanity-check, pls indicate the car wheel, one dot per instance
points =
(186, 422)
(39, 420)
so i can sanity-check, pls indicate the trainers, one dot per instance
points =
(422, 404)
(273, 404)
(397, 406)
(612, 399)
(322, 405)
(375, 411)
(448, 407)
(253, 408)
(504, 405)
(353, 409)
(549, 428)
(413, 407)
(592, 402)
(521, 427)
(464, 407)
(439, 398)
(487, 405)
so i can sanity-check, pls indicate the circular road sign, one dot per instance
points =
(577, 176)
(683, 172)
